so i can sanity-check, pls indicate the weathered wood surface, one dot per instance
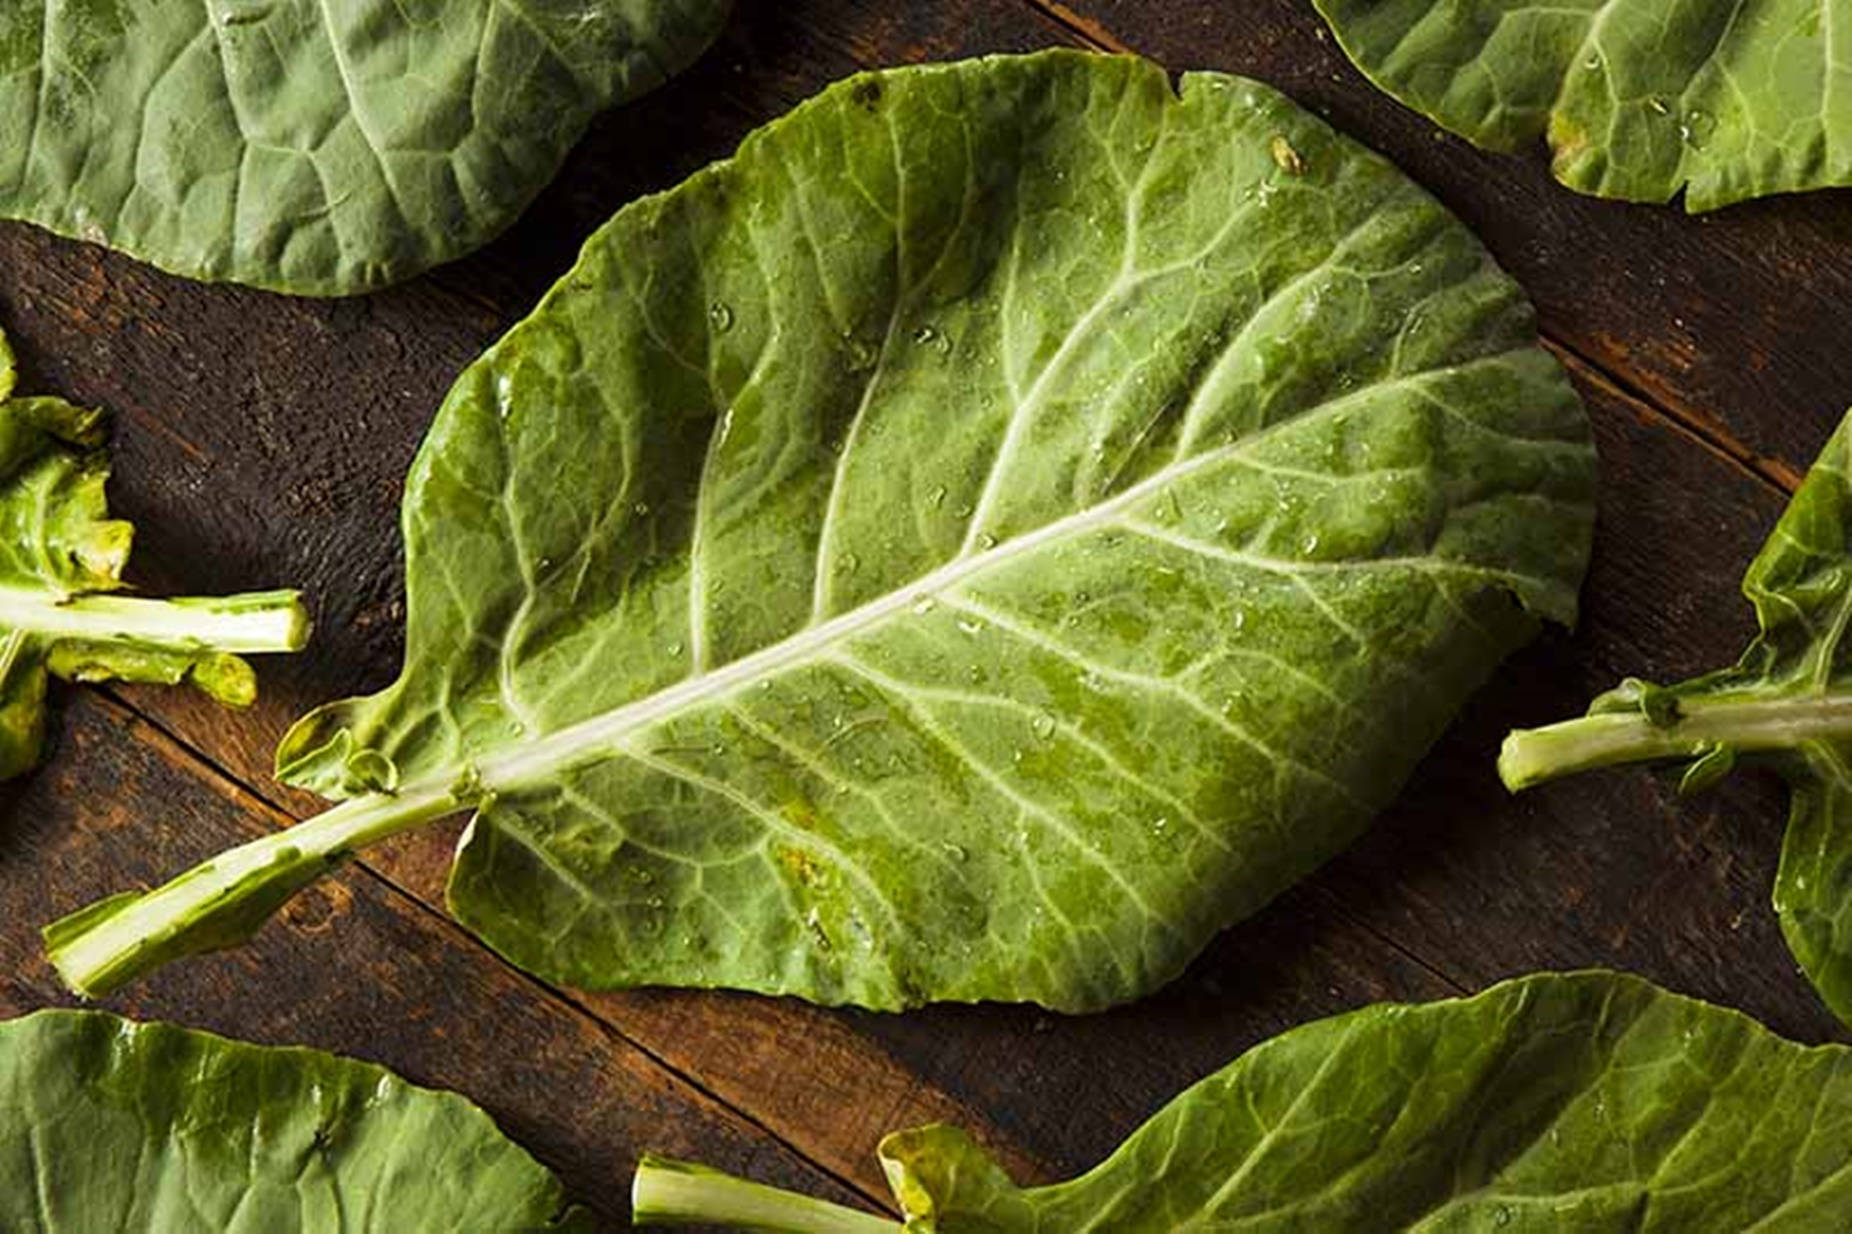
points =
(263, 441)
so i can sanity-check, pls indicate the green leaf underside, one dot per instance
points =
(311, 146)
(1787, 702)
(60, 558)
(1003, 526)
(109, 1125)
(1556, 1102)
(1639, 99)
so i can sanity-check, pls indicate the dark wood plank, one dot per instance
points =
(351, 966)
(1732, 320)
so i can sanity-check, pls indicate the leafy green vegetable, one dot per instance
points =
(1582, 1101)
(110, 1125)
(1787, 703)
(60, 558)
(1002, 527)
(1639, 99)
(307, 146)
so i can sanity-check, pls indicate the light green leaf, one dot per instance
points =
(1639, 99)
(322, 147)
(1587, 1102)
(1786, 703)
(108, 1125)
(999, 529)
(61, 557)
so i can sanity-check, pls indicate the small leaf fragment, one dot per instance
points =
(283, 1140)
(1641, 100)
(1786, 703)
(61, 563)
(310, 147)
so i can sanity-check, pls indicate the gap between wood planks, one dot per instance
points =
(1691, 423)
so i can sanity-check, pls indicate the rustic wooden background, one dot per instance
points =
(262, 441)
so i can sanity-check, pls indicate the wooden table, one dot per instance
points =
(263, 441)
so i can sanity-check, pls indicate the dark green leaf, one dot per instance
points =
(1787, 702)
(61, 557)
(310, 146)
(1585, 1102)
(1002, 527)
(1639, 99)
(110, 1125)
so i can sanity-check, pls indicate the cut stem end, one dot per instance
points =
(668, 1192)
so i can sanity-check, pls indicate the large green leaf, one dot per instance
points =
(1724, 99)
(61, 557)
(1557, 1102)
(322, 147)
(108, 1125)
(1787, 702)
(1002, 527)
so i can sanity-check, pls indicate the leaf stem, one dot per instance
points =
(224, 900)
(253, 622)
(1746, 722)
(668, 1192)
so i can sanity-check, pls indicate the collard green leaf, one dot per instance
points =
(108, 1125)
(61, 558)
(1003, 526)
(1639, 99)
(322, 147)
(1557, 1102)
(1787, 703)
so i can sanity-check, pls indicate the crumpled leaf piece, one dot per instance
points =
(1589, 1101)
(995, 531)
(1787, 703)
(247, 1137)
(307, 146)
(61, 562)
(1639, 99)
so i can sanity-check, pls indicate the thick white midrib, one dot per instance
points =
(539, 759)
(97, 957)
(89, 962)
(186, 625)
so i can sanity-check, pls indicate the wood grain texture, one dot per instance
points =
(263, 441)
